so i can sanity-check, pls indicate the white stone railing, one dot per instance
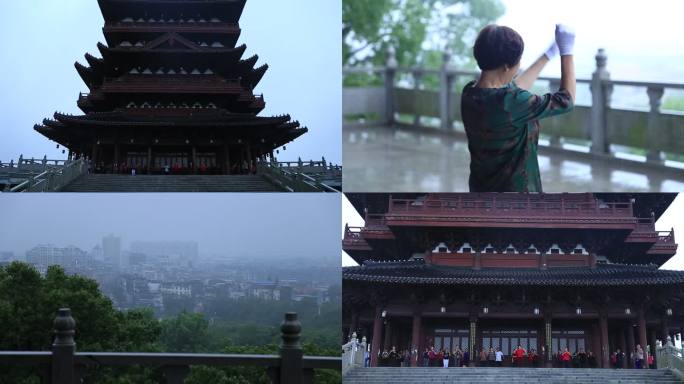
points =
(401, 93)
(353, 354)
(670, 357)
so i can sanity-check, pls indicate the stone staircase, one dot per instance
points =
(508, 375)
(169, 183)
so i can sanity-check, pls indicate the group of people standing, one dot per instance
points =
(445, 358)
(636, 358)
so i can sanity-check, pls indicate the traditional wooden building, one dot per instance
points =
(172, 90)
(479, 270)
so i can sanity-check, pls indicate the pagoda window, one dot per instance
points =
(580, 250)
(465, 248)
(195, 72)
(139, 44)
(171, 72)
(134, 72)
(131, 105)
(208, 72)
(215, 20)
(532, 249)
(204, 44)
(217, 44)
(183, 71)
(127, 20)
(211, 105)
(125, 44)
(510, 249)
(440, 248)
(146, 105)
(197, 105)
(489, 249)
(160, 71)
(147, 71)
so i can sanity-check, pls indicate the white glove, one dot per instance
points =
(565, 38)
(552, 51)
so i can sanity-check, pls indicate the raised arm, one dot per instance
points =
(565, 38)
(526, 79)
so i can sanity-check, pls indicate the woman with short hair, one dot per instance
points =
(501, 116)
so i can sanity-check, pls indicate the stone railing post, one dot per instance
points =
(445, 85)
(390, 74)
(600, 96)
(417, 78)
(655, 96)
(63, 348)
(291, 351)
(554, 141)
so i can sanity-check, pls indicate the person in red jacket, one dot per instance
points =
(519, 356)
(566, 358)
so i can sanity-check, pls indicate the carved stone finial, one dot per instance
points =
(64, 328)
(601, 58)
(290, 331)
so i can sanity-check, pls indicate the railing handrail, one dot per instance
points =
(293, 178)
(289, 366)
(485, 206)
(471, 73)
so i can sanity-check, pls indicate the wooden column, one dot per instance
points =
(194, 159)
(548, 338)
(93, 157)
(388, 335)
(472, 336)
(605, 347)
(630, 343)
(116, 156)
(377, 337)
(415, 336)
(642, 334)
(623, 345)
(227, 158)
(149, 159)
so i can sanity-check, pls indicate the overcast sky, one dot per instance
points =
(643, 40)
(232, 224)
(672, 218)
(300, 40)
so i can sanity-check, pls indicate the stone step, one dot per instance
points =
(170, 183)
(500, 375)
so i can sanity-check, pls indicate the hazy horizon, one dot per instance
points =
(259, 226)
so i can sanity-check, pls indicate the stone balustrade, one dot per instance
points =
(412, 96)
(63, 364)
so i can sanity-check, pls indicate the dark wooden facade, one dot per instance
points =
(171, 91)
(472, 270)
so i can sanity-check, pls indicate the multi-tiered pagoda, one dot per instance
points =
(171, 93)
(497, 270)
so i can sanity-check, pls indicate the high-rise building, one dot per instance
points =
(183, 251)
(111, 250)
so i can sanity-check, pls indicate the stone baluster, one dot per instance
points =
(291, 351)
(63, 347)
(554, 140)
(390, 74)
(417, 74)
(600, 100)
(446, 82)
(655, 97)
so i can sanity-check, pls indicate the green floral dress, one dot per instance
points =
(502, 125)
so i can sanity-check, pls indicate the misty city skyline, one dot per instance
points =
(231, 225)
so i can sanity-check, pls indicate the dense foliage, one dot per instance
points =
(419, 30)
(28, 305)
